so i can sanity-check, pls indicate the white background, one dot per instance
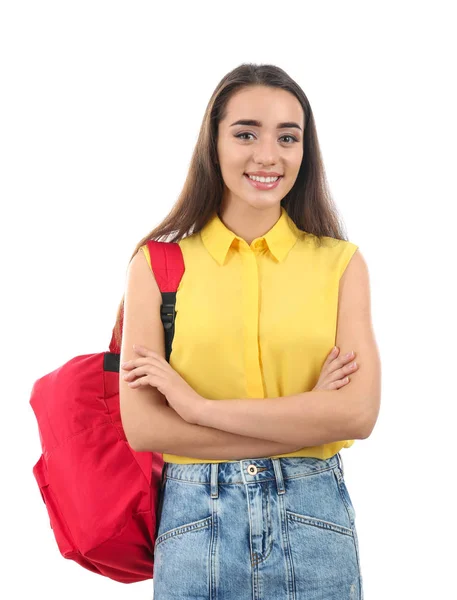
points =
(101, 104)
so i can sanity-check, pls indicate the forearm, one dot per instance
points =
(305, 419)
(171, 434)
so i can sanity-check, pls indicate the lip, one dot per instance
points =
(263, 186)
(265, 174)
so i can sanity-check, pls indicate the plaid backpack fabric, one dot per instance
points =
(101, 495)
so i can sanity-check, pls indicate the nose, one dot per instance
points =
(266, 151)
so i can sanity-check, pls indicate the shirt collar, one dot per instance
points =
(218, 239)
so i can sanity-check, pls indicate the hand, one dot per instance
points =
(334, 370)
(152, 369)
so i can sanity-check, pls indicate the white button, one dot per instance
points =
(252, 470)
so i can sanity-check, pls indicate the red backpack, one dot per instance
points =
(102, 496)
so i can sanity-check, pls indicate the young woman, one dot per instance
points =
(253, 406)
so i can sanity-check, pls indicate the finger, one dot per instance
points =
(332, 362)
(337, 384)
(147, 369)
(151, 380)
(141, 350)
(346, 369)
(142, 381)
(341, 373)
(332, 354)
(137, 362)
(132, 370)
(138, 382)
(132, 364)
(328, 385)
(339, 362)
(144, 362)
(150, 355)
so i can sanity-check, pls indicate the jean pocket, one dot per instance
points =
(183, 545)
(183, 529)
(184, 508)
(184, 540)
(314, 500)
(181, 561)
(321, 536)
(324, 558)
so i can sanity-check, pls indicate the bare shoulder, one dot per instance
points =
(355, 283)
(141, 281)
(142, 300)
(355, 332)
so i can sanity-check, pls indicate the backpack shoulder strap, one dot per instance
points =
(167, 264)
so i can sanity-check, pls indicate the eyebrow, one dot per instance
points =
(254, 123)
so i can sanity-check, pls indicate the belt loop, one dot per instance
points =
(214, 480)
(279, 475)
(340, 463)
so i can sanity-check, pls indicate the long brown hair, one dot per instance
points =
(309, 203)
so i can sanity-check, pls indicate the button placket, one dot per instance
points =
(250, 306)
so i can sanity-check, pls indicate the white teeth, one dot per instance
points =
(263, 179)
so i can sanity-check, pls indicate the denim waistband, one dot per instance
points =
(249, 470)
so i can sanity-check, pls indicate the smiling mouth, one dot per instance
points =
(276, 176)
(263, 185)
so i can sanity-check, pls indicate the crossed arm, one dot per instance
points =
(233, 428)
(318, 417)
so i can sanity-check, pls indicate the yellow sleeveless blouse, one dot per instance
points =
(257, 321)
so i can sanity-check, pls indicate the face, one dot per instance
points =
(266, 146)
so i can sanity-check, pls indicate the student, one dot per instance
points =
(254, 406)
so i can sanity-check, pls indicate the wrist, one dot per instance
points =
(201, 412)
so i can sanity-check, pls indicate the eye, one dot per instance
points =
(239, 135)
(291, 137)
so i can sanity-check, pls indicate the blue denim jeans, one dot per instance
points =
(257, 529)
